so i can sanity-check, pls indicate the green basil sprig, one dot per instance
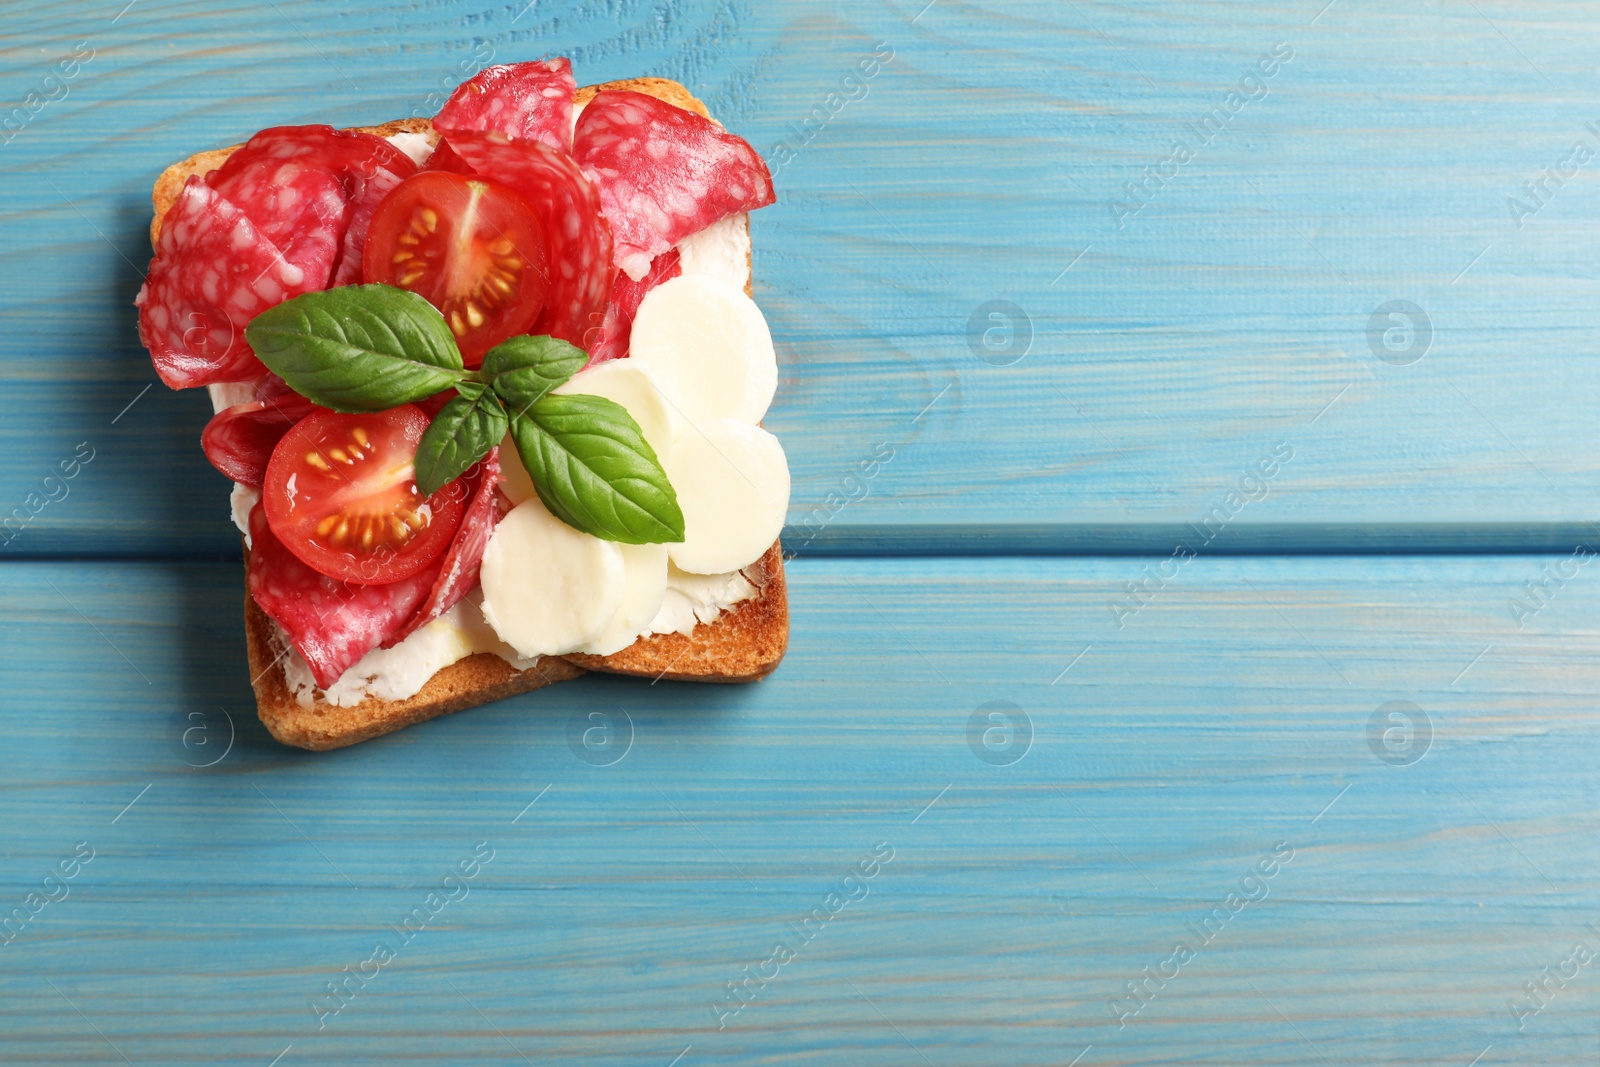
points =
(594, 470)
(375, 347)
(358, 348)
(461, 434)
(524, 369)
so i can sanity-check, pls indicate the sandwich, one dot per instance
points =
(490, 389)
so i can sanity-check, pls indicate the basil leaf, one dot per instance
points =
(594, 470)
(525, 368)
(358, 347)
(460, 435)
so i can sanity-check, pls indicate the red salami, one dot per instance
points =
(580, 240)
(318, 185)
(526, 101)
(459, 565)
(368, 179)
(343, 153)
(332, 623)
(626, 295)
(271, 386)
(663, 173)
(363, 205)
(297, 206)
(239, 440)
(212, 273)
(432, 405)
(444, 158)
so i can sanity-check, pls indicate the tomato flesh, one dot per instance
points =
(473, 249)
(340, 494)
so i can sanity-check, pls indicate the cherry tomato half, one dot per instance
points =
(473, 249)
(340, 495)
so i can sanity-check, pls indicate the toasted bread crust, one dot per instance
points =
(322, 726)
(744, 644)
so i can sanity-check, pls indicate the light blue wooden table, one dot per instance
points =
(1029, 789)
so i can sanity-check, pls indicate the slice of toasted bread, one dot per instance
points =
(743, 644)
(464, 684)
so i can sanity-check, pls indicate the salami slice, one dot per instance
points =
(344, 153)
(370, 168)
(526, 101)
(269, 386)
(364, 199)
(212, 273)
(626, 295)
(332, 623)
(239, 440)
(459, 566)
(444, 158)
(663, 173)
(432, 405)
(320, 186)
(297, 206)
(580, 240)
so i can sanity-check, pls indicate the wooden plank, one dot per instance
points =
(1228, 316)
(1232, 713)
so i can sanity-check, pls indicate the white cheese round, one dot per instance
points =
(629, 384)
(644, 569)
(547, 588)
(706, 344)
(732, 481)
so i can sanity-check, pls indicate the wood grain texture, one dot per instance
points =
(651, 842)
(1229, 314)
(1230, 714)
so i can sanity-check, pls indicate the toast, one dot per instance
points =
(745, 643)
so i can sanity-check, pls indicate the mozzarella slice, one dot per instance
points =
(732, 482)
(624, 382)
(547, 588)
(706, 344)
(644, 570)
(618, 381)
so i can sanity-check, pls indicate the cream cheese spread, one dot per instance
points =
(401, 671)
(721, 250)
(243, 501)
(697, 598)
(415, 145)
(227, 394)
